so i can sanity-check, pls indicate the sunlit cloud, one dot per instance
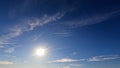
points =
(65, 60)
(5, 63)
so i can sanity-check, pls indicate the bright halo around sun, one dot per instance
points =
(40, 52)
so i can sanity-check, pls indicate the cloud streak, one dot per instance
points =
(66, 60)
(5, 63)
(63, 34)
(91, 59)
(94, 19)
(103, 58)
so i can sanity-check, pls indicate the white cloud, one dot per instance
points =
(32, 23)
(103, 58)
(5, 62)
(65, 60)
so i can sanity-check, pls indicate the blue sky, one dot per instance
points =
(75, 33)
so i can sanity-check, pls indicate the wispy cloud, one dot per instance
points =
(4, 41)
(92, 59)
(63, 34)
(36, 37)
(5, 63)
(29, 24)
(66, 60)
(34, 22)
(10, 56)
(10, 50)
(92, 19)
(70, 66)
(103, 58)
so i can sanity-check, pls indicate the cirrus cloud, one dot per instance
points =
(29, 24)
(66, 60)
(103, 58)
(91, 59)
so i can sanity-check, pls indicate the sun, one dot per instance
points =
(40, 52)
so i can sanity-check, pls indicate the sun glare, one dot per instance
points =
(40, 52)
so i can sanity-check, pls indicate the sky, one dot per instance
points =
(74, 33)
